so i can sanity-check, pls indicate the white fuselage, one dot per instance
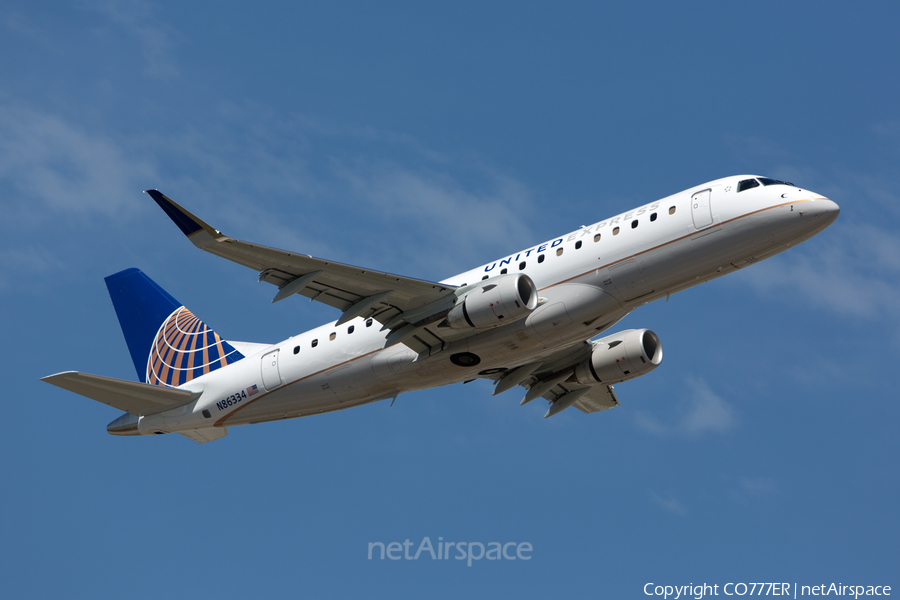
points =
(587, 281)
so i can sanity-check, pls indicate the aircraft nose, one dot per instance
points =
(825, 208)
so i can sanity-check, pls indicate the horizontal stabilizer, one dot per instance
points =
(135, 398)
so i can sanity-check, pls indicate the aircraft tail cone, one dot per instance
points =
(127, 424)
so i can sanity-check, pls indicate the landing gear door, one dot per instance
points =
(701, 209)
(270, 375)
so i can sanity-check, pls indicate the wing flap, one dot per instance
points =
(136, 398)
(600, 397)
(201, 436)
(591, 399)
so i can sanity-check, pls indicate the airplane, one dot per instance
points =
(532, 319)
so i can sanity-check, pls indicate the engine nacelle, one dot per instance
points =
(494, 302)
(620, 357)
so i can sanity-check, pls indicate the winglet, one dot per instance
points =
(187, 222)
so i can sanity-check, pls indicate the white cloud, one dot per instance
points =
(306, 185)
(49, 162)
(20, 266)
(269, 180)
(698, 412)
(889, 129)
(863, 189)
(442, 211)
(138, 19)
(669, 503)
(750, 148)
(857, 273)
(19, 23)
(753, 490)
(757, 487)
(706, 411)
(317, 126)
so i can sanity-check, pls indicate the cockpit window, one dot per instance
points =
(747, 184)
(767, 181)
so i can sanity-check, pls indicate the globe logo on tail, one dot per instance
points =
(185, 348)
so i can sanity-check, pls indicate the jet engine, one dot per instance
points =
(620, 357)
(494, 302)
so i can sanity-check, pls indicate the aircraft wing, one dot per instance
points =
(133, 397)
(356, 291)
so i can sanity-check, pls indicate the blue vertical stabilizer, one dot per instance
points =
(168, 344)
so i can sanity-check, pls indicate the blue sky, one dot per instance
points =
(424, 140)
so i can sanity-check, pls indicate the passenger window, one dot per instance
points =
(559, 251)
(503, 271)
(350, 329)
(315, 343)
(368, 322)
(747, 184)
(634, 224)
(332, 336)
(521, 265)
(652, 217)
(597, 238)
(616, 231)
(485, 277)
(296, 349)
(541, 258)
(671, 210)
(578, 244)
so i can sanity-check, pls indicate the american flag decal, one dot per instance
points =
(252, 390)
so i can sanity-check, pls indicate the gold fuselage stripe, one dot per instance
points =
(221, 422)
